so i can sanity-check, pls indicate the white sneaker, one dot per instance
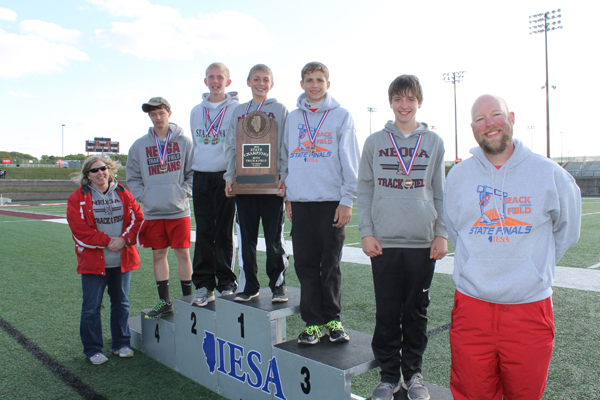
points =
(98, 359)
(124, 352)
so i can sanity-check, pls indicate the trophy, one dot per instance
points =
(256, 155)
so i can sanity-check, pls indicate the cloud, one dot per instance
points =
(129, 96)
(160, 32)
(7, 14)
(51, 31)
(29, 54)
(22, 95)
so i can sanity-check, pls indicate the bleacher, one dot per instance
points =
(587, 175)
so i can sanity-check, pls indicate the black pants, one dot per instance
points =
(214, 213)
(317, 259)
(401, 278)
(251, 209)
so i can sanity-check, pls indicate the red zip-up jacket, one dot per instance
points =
(90, 242)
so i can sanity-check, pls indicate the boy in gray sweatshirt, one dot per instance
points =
(319, 169)
(400, 188)
(214, 212)
(159, 175)
(252, 208)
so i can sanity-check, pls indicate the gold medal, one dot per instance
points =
(313, 149)
(215, 141)
(206, 141)
(164, 169)
(408, 183)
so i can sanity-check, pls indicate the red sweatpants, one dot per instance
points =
(500, 350)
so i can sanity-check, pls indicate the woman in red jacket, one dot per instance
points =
(104, 219)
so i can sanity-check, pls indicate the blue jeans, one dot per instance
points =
(91, 325)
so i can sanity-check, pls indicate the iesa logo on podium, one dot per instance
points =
(236, 354)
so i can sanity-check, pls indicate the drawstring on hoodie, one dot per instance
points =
(501, 192)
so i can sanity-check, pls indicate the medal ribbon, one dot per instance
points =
(406, 169)
(162, 150)
(257, 108)
(313, 137)
(219, 118)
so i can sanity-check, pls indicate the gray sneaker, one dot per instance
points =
(385, 391)
(203, 297)
(415, 388)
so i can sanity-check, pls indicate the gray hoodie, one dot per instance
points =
(164, 196)
(274, 110)
(209, 157)
(395, 215)
(510, 226)
(330, 173)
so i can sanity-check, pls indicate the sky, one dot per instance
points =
(91, 64)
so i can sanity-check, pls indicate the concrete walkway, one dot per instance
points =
(566, 277)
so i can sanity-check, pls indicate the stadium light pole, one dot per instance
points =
(63, 140)
(371, 110)
(454, 78)
(538, 23)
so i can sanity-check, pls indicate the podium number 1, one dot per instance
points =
(157, 334)
(241, 321)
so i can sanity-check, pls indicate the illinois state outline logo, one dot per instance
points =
(501, 214)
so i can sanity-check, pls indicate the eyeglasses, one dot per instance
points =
(102, 168)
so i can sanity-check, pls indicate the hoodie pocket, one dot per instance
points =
(411, 220)
(164, 199)
(501, 279)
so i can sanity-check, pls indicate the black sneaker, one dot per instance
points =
(336, 331)
(310, 335)
(161, 308)
(280, 294)
(229, 289)
(241, 296)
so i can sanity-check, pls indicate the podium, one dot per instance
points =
(239, 350)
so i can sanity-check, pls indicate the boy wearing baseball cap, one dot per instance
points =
(159, 175)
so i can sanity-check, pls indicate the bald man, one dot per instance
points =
(511, 216)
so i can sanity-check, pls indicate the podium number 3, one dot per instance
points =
(306, 384)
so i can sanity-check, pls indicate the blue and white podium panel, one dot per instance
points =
(324, 370)
(192, 323)
(135, 328)
(239, 350)
(243, 341)
(158, 338)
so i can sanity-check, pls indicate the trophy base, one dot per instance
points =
(255, 184)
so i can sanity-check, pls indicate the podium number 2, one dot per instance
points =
(306, 384)
(157, 334)
(193, 318)
(241, 321)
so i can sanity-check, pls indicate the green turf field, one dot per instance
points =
(41, 295)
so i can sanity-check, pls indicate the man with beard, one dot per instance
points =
(511, 216)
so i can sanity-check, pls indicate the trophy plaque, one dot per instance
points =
(256, 155)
